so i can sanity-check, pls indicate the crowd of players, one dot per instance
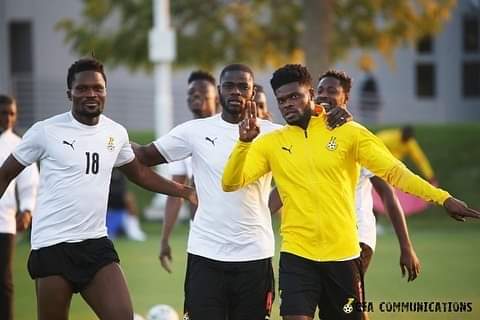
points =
(315, 160)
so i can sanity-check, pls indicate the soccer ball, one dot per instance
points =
(162, 312)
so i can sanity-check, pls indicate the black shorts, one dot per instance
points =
(216, 290)
(76, 262)
(336, 288)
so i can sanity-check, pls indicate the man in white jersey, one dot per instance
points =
(261, 103)
(202, 101)
(327, 94)
(366, 223)
(22, 190)
(77, 151)
(230, 244)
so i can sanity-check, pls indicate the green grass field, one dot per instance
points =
(447, 249)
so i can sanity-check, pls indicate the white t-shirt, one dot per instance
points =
(76, 163)
(26, 184)
(228, 226)
(181, 168)
(364, 206)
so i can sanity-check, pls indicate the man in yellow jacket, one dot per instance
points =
(316, 171)
(402, 143)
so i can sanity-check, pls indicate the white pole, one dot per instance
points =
(162, 54)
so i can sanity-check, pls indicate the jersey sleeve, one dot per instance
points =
(247, 163)
(372, 154)
(27, 183)
(178, 168)
(126, 154)
(420, 159)
(32, 146)
(175, 145)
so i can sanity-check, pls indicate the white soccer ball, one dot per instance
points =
(162, 312)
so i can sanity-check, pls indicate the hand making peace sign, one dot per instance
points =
(248, 127)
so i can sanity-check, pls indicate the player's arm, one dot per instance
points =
(26, 183)
(373, 155)
(408, 257)
(148, 179)
(148, 155)
(172, 208)
(244, 165)
(420, 160)
(8, 171)
(274, 201)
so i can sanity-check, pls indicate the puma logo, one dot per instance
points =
(69, 144)
(289, 149)
(212, 141)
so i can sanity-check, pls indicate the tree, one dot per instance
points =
(258, 32)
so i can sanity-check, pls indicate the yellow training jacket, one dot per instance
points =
(393, 140)
(316, 171)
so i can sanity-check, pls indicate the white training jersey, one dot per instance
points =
(366, 222)
(228, 226)
(26, 184)
(76, 162)
(181, 168)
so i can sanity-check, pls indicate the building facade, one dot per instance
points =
(437, 81)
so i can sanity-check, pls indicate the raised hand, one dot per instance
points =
(459, 210)
(248, 127)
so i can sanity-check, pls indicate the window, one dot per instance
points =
(471, 79)
(425, 80)
(425, 45)
(471, 33)
(21, 60)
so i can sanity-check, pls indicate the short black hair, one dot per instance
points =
(258, 88)
(6, 100)
(84, 64)
(291, 73)
(236, 67)
(407, 133)
(345, 80)
(201, 75)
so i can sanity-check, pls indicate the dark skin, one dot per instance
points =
(8, 119)
(329, 90)
(107, 293)
(235, 94)
(202, 101)
(409, 262)
(202, 98)
(293, 103)
(262, 106)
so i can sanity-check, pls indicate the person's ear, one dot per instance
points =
(69, 94)
(311, 91)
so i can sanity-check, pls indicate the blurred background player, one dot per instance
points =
(260, 99)
(334, 88)
(402, 143)
(21, 191)
(122, 211)
(202, 100)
